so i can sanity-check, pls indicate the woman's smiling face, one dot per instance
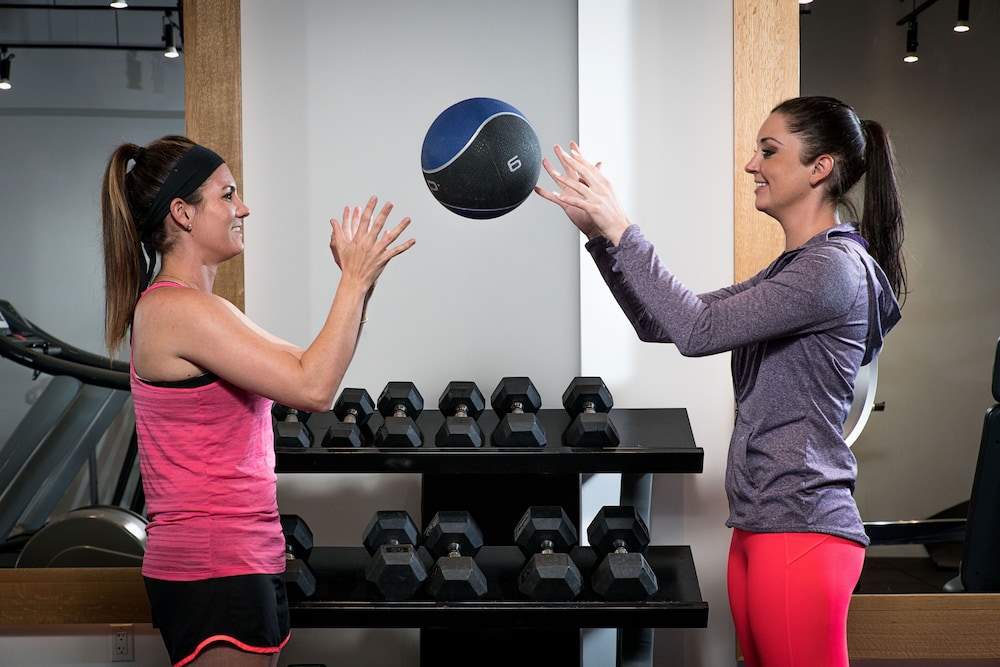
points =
(780, 178)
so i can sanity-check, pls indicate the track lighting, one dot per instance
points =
(962, 23)
(910, 19)
(911, 43)
(168, 38)
(171, 34)
(5, 59)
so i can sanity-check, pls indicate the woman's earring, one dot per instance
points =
(189, 227)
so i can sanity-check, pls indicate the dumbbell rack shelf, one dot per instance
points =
(344, 599)
(496, 485)
(653, 440)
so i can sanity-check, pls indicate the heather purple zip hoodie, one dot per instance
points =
(799, 331)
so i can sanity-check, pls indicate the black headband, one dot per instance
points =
(193, 169)
(188, 174)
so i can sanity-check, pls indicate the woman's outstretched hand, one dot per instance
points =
(360, 247)
(586, 195)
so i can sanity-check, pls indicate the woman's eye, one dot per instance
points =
(766, 152)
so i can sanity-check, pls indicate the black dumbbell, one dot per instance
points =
(354, 407)
(454, 539)
(290, 428)
(588, 402)
(624, 574)
(298, 577)
(516, 400)
(400, 404)
(461, 403)
(546, 534)
(396, 568)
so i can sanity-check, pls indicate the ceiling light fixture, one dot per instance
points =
(119, 4)
(168, 37)
(962, 24)
(911, 43)
(5, 59)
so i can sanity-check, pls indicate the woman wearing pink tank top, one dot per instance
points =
(204, 378)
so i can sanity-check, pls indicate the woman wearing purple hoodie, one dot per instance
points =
(798, 331)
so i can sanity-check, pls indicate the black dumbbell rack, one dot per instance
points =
(496, 485)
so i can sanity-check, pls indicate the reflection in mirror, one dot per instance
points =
(917, 457)
(66, 110)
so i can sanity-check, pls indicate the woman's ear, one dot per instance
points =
(821, 169)
(179, 213)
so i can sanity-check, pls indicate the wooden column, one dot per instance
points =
(213, 102)
(765, 72)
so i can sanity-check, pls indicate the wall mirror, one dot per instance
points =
(83, 78)
(60, 123)
(917, 457)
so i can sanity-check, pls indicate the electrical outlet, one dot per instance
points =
(122, 643)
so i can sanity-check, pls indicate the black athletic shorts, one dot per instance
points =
(249, 611)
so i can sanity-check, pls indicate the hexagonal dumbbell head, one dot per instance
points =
(290, 428)
(461, 403)
(516, 400)
(546, 533)
(395, 568)
(624, 574)
(454, 538)
(400, 404)
(354, 407)
(298, 536)
(298, 577)
(588, 401)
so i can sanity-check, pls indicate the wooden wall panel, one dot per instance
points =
(765, 72)
(213, 102)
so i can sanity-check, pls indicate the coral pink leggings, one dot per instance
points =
(789, 594)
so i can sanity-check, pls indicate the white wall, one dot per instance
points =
(656, 107)
(335, 109)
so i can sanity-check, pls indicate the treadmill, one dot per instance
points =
(55, 439)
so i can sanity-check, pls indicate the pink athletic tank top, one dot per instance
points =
(206, 454)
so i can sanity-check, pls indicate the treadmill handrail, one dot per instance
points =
(46, 363)
(58, 348)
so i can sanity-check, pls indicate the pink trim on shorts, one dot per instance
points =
(235, 642)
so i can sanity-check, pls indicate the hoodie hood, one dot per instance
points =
(883, 308)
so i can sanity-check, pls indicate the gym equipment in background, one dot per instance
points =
(619, 534)
(101, 536)
(298, 576)
(979, 531)
(454, 539)
(546, 534)
(354, 407)
(396, 568)
(461, 403)
(588, 401)
(400, 404)
(290, 429)
(979, 571)
(57, 437)
(516, 401)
